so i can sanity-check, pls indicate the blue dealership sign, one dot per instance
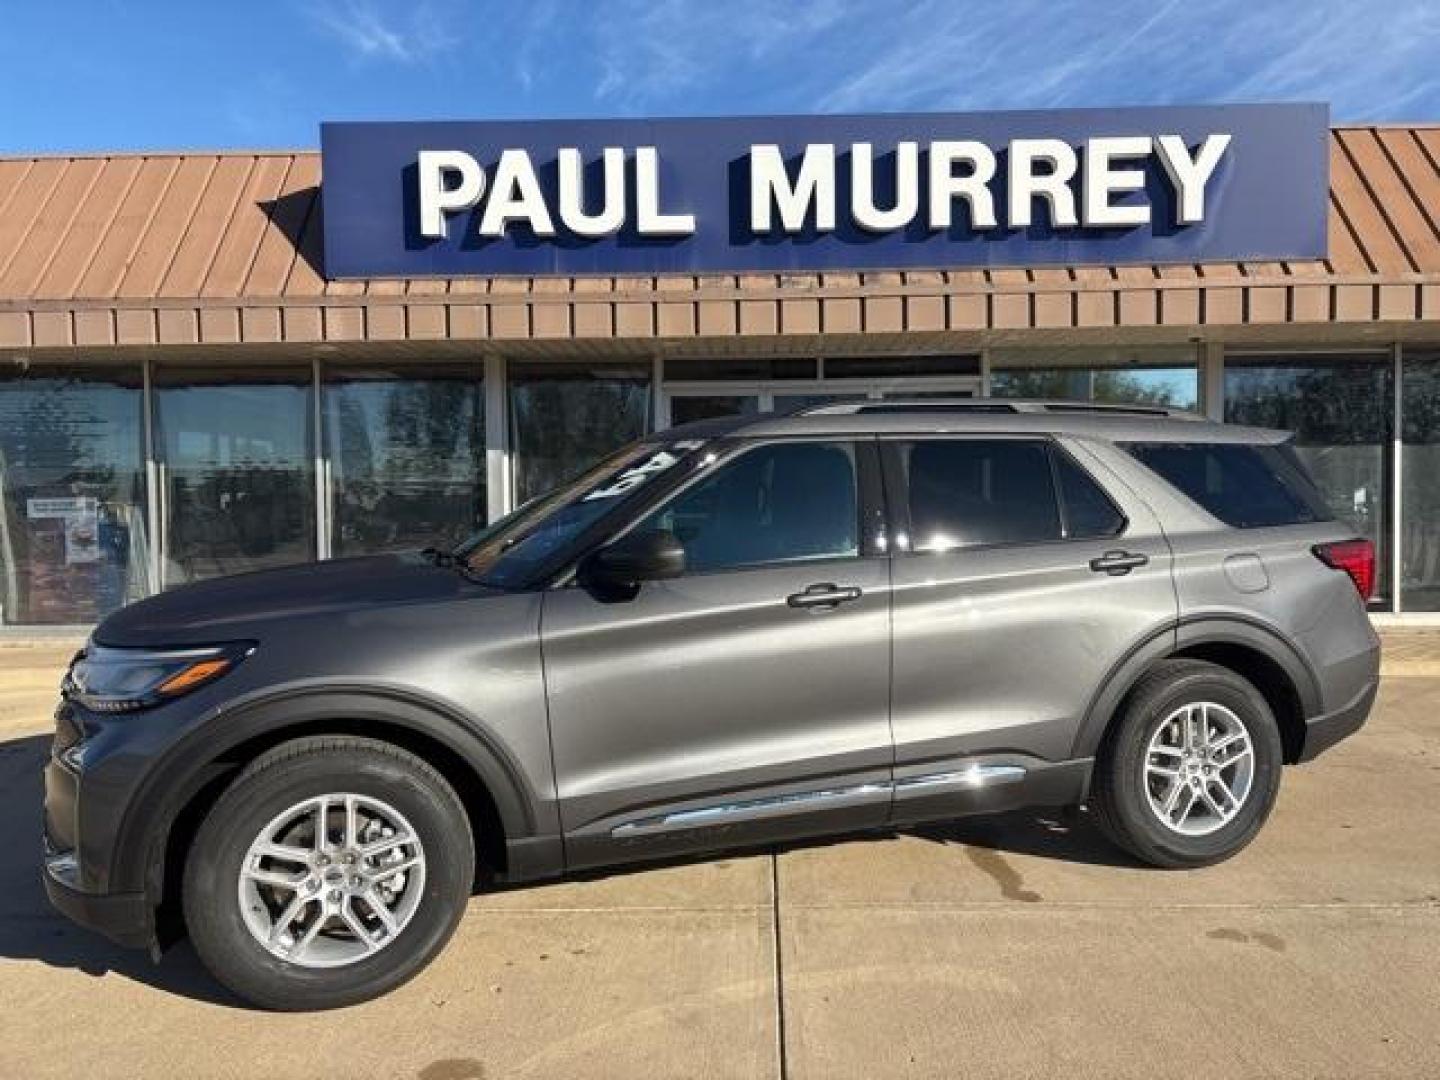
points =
(797, 193)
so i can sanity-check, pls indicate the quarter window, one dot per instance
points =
(785, 502)
(1244, 486)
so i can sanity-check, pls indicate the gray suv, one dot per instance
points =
(737, 632)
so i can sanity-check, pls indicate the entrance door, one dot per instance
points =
(237, 474)
(748, 699)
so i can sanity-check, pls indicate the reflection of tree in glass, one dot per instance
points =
(1331, 405)
(1421, 516)
(409, 462)
(564, 423)
(1340, 412)
(225, 520)
(59, 438)
(432, 476)
(1084, 384)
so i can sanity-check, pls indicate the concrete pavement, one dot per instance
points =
(1017, 946)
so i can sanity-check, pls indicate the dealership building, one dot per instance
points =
(226, 361)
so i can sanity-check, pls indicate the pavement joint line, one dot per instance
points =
(991, 906)
(633, 909)
(780, 1059)
(966, 905)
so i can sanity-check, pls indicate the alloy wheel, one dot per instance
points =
(1199, 768)
(332, 880)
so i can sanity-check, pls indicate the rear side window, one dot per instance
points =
(984, 492)
(1244, 486)
(971, 492)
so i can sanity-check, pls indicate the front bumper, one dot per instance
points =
(125, 918)
(80, 816)
(1323, 732)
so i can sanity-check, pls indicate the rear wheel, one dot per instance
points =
(331, 871)
(1191, 769)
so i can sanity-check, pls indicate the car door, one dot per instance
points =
(748, 699)
(1019, 584)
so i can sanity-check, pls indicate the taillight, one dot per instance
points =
(1356, 558)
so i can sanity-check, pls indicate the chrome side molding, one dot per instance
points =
(972, 776)
(750, 809)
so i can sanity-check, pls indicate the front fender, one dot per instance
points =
(200, 756)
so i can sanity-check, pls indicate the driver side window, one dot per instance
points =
(779, 503)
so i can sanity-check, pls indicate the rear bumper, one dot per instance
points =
(1323, 732)
(125, 918)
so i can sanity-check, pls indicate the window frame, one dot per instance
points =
(869, 497)
(897, 492)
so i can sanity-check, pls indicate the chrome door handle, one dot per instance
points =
(1116, 563)
(824, 594)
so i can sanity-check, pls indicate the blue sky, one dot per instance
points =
(127, 74)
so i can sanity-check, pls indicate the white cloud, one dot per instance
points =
(1029, 54)
(660, 52)
(679, 56)
(398, 32)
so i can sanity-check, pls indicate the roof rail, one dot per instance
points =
(1121, 410)
(989, 405)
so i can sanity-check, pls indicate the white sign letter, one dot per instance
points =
(1191, 175)
(433, 167)
(651, 222)
(572, 193)
(862, 188)
(515, 196)
(814, 186)
(1053, 185)
(1102, 181)
(974, 188)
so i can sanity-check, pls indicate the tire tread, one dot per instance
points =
(211, 945)
(1105, 801)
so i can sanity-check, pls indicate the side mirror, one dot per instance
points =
(618, 569)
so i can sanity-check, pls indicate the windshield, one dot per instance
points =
(507, 553)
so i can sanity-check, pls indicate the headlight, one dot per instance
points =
(123, 680)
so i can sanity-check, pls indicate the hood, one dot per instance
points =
(240, 607)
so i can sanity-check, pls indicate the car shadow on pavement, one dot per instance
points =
(1066, 835)
(30, 929)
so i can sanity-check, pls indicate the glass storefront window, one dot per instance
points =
(785, 403)
(1167, 376)
(565, 417)
(407, 457)
(1420, 487)
(1340, 410)
(687, 408)
(897, 367)
(73, 538)
(237, 474)
(730, 369)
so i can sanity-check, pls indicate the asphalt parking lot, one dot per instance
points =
(1017, 946)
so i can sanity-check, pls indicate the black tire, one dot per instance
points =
(278, 780)
(1119, 797)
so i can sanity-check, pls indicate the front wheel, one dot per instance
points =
(331, 871)
(1192, 768)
